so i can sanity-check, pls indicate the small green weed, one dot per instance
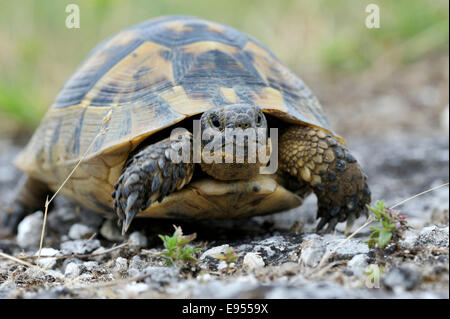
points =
(229, 257)
(392, 225)
(177, 252)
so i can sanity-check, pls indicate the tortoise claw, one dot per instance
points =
(331, 171)
(149, 176)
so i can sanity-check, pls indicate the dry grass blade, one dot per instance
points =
(20, 261)
(105, 120)
(106, 251)
(330, 252)
(417, 195)
(43, 229)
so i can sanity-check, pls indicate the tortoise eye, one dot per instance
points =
(215, 121)
(259, 120)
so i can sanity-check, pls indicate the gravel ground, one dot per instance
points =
(278, 255)
(396, 123)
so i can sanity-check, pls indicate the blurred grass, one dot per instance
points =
(313, 37)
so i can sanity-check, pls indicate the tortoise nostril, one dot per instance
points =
(243, 125)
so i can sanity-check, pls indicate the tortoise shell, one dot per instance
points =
(147, 78)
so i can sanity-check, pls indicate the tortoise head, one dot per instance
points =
(233, 138)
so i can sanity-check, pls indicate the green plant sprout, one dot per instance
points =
(392, 225)
(228, 257)
(177, 252)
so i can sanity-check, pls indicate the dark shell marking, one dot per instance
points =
(207, 63)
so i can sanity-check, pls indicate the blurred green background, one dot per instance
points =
(325, 38)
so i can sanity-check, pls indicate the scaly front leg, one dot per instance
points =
(149, 176)
(314, 156)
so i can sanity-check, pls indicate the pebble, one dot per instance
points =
(253, 261)
(135, 288)
(48, 263)
(137, 262)
(312, 251)
(358, 264)
(161, 275)
(110, 231)
(80, 246)
(72, 270)
(215, 251)
(138, 240)
(409, 239)
(349, 249)
(222, 265)
(121, 265)
(90, 265)
(204, 277)
(405, 277)
(29, 230)
(100, 250)
(80, 231)
(433, 236)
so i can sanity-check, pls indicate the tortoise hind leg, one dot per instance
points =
(29, 196)
(317, 158)
(149, 176)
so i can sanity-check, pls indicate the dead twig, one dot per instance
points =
(20, 261)
(103, 130)
(83, 255)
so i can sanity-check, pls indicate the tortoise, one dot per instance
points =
(116, 114)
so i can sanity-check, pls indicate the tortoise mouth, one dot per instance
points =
(236, 161)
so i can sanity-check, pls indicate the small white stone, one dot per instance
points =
(121, 265)
(137, 262)
(312, 251)
(253, 261)
(90, 265)
(409, 239)
(311, 256)
(204, 277)
(55, 274)
(138, 240)
(433, 236)
(222, 265)
(80, 231)
(348, 249)
(72, 270)
(100, 252)
(215, 251)
(133, 272)
(111, 231)
(358, 264)
(48, 262)
(135, 288)
(79, 246)
(161, 274)
(29, 230)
